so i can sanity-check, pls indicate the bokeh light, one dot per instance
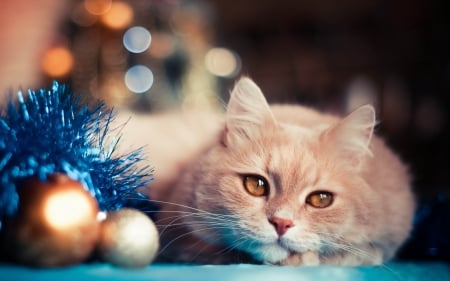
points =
(222, 62)
(97, 7)
(57, 61)
(119, 15)
(101, 216)
(139, 79)
(68, 208)
(137, 39)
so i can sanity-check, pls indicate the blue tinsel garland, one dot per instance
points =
(51, 131)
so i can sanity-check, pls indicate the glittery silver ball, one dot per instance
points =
(128, 238)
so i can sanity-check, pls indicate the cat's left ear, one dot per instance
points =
(351, 137)
(248, 113)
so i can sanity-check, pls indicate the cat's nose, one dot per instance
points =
(281, 225)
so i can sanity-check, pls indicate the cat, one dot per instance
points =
(280, 184)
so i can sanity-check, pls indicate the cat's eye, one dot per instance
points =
(320, 199)
(256, 185)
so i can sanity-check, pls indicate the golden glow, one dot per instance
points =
(57, 61)
(97, 7)
(119, 15)
(66, 209)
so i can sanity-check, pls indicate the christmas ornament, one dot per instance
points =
(56, 223)
(128, 238)
(54, 151)
(51, 131)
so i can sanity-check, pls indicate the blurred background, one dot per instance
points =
(160, 54)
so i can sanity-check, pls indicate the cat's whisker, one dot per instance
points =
(212, 218)
(193, 216)
(343, 244)
(205, 248)
(366, 255)
(169, 203)
(188, 207)
(173, 220)
(349, 248)
(186, 234)
(234, 245)
(197, 222)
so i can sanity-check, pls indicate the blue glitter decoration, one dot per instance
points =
(51, 131)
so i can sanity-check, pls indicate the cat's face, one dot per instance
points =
(282, 189)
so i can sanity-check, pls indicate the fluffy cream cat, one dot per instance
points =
(274, 184)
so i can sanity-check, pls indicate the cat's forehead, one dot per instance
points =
(296, 132)
(293, 164)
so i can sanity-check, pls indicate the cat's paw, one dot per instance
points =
(308, 258)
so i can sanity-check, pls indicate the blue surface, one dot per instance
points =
(166, 272)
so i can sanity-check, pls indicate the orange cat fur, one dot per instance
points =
(280, 184)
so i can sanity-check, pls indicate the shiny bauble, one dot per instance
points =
(56, 224)
(128, 238)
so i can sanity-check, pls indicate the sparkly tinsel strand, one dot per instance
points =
(51, 131)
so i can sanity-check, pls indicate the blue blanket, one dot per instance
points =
(89, 272)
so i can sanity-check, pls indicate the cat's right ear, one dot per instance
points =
(248, 113)
(351, 137)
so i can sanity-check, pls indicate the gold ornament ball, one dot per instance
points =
(56, 223)
(128, 238)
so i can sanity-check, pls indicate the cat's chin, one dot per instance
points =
(282, 253)
(270, 253)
